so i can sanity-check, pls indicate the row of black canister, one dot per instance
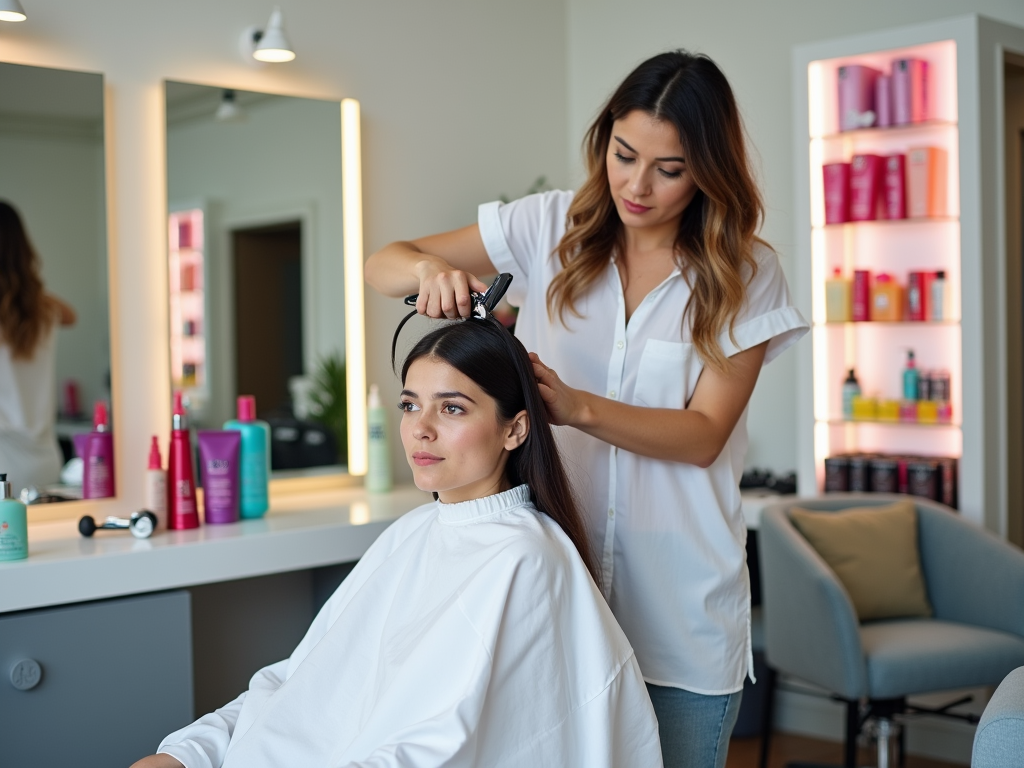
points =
(930, 477)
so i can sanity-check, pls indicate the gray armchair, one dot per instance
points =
(975, 583)
(999, 740)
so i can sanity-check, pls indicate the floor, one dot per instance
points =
(786, 747)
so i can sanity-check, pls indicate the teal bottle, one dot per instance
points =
(13, 525)
(254, 469)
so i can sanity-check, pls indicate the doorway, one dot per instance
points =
(1013, 104)
(267, 265)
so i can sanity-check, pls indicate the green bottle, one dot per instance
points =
(13, 525)
(378, 465)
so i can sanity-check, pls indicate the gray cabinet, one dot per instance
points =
(116, 677)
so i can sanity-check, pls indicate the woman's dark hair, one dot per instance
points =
(26, 313)
(717, 231)
(497, 362)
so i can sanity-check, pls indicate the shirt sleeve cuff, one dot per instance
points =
(493, 236)
(781, 327)
(187, 754)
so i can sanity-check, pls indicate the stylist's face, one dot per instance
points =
(647, 172)
(451, 433)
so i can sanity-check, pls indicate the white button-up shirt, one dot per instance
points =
(670, 537)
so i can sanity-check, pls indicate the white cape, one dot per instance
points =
(468, 635)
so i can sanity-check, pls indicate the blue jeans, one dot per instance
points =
(695, 729)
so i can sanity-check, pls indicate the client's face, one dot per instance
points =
(451, 434)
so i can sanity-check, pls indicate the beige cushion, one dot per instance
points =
(873, 551)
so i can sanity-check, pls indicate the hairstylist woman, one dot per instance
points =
(652, 297)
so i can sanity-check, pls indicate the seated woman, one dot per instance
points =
(471, 633)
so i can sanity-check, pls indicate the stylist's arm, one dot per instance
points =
(442, 269)
(158, 761)
(694, 435)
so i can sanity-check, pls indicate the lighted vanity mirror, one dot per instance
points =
(52, 175)
(257, 276)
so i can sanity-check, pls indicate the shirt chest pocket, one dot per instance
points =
(667, 374)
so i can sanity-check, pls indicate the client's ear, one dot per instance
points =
(517, 430)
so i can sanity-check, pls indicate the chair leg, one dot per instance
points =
(852, 731)
(767, 715)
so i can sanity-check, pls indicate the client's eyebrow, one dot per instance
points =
(449, 395)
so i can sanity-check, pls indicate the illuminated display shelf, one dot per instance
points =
(966, 55)
(900, 424)
(907, 323)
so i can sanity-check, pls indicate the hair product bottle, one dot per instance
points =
(254, 466)
(910, 376)
(838, 296)
(851, 389)
(13, 525)
(98, 469)
(181, 508)
(378, 467)
(937, 303)
(156, 486)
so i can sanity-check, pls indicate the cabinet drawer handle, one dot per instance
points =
(26, 674)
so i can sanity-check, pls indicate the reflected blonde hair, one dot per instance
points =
(26, 312)
(717, 231)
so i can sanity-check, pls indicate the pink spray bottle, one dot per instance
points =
(98, 469)
(181, 488)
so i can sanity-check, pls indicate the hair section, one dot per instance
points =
(26, 313)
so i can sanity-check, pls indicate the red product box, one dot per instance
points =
(917, 296)
(861, 295)
(865, 186)
(910, 91)
(837, 192)
(894, 183)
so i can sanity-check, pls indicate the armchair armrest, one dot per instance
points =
(811, 627)
(972, 576)
(999, 740)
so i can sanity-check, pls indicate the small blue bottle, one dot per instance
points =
(13, 525)
(254, 459)
(910, 377)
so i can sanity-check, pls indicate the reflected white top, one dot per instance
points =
(28, 411)
(468, 635)
(670, 537)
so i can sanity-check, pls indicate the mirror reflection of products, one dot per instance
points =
(234, 469)
(884, 299)
(96, 450)
(925, 398)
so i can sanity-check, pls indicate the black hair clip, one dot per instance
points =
(483, 305)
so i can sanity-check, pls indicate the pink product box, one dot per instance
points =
(883, 101)
(856, 96)
(865, 186)
(910, 91)
(837, 192)
(861, 296)
(894, 184)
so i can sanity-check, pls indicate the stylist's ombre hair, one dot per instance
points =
(497, 362)
(716, 231)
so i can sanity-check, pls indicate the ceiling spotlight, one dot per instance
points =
(268, 44)
(228, 110)
(11, 10)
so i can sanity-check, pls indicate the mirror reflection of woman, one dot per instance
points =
(471, 634)
(29, 453)
(650, 305)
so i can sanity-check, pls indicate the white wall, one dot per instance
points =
(55, 180)
(462, 100)
(751, 42)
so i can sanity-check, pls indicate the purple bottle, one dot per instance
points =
(98, 458)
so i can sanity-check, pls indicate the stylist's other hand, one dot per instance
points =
(158, 761)
(444, 290)
(564, 404)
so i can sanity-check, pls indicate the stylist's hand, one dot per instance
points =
(565, 405)
(444, 290)
(158, 761)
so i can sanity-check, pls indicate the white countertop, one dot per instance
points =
(304, 532)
